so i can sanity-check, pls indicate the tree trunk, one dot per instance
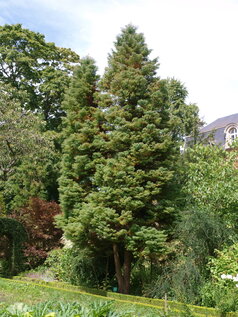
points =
(118, 269)
(13, 257)
(127, 271)
(123, 274)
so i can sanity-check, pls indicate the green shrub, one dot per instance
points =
(225, 262)
(220, 291)
(77, 267)
(220, 296)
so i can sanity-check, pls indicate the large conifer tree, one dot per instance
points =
(118, 157)
(80, 128)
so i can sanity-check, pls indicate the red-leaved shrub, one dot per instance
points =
(43, 236)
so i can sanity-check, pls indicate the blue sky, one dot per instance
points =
(196, 40)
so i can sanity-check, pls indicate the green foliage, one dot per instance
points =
(221, 296)
(27, 155)
(129, 70)
(140, 306)
(146, 241)
(61, 309)
(3, 209)
(74, 267)
(59, 261)
(221, 291)
(38, 69)
(211, 181)
(20, 133)
(118, 156)
(79, 267)
(225, 262)
(16, 235)
(206, 223)
(198, 234)
(32, 178)
(201, 233)
(79, 147)
(33, 77)
(184, 117)
(180, 279)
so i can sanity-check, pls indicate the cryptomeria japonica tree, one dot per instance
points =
(118, 157)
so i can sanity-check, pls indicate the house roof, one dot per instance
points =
(220, 123)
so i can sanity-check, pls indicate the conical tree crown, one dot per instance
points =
(133, 181)
(129, 70)
(118, 155)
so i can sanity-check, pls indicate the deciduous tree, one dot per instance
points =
(39, 69)
(25, 150)
(184, 116)
(211, 181)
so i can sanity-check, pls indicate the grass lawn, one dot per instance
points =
(12, 291)
(59, 297)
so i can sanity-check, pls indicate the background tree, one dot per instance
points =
(23, 146)
(211, 181)
(207, 222)
(118, 164)
(39, 69)
(211, 202)
(184, 116)
(36, 74)
(12, 237)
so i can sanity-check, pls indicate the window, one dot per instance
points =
(231, 134)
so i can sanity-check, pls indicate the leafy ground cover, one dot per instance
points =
(61, 309)
(75, 309)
